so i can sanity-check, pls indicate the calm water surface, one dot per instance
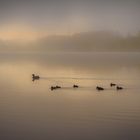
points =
(31, 111)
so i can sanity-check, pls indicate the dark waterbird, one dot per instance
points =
(75, 86)
(112, 84)
(119, 88)
(35, 77)
(55, 87)
(52, 87)
(99, 88)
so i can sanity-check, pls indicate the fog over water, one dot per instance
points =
(93, 41)
(88, 43)
(30, 110)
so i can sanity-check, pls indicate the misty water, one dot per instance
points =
(31, 111)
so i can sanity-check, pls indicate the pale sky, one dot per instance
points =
(33, 18)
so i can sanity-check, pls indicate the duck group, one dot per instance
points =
(55, 87)
(37, 77)
(97, 87)
(112, 85)
(117, 87)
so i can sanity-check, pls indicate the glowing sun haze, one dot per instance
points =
(26, 32)
(18, 32)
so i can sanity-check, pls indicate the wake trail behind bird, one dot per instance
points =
(75, 78)
(83, 78)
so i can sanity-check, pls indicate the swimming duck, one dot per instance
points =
(35, 77)
(75, 86)
(112, 84)
(119, 88)
(99, 88)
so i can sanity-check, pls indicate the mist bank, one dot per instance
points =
(103, 41)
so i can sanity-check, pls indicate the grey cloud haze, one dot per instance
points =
(72, 16)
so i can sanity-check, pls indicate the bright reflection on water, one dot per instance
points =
(31, 111)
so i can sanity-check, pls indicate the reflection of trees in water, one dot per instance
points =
(92, 63)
